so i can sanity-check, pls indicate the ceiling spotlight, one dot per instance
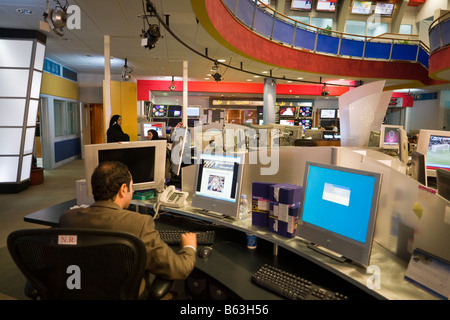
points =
(217, 76)
(56, 18)
(126, 71)
(172, 87)
(151, 36)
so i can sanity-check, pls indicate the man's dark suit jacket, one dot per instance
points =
(162, 260)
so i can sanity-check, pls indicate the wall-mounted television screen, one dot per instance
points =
(287, 111)
(384, 9)
(327, 113)
(306, 123)
(361, 7)
(159, 110)
(326, 5)
(301, 5)
(174, 111)
(305, 112)
(287, 122)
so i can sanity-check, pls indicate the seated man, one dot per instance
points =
(112, 187)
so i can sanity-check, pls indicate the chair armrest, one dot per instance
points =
(159, 288)
(30, 291)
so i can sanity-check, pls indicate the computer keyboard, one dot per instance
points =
(174, 236)
(291, 286)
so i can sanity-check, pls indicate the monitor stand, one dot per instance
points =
(211, 214)
(327, 252)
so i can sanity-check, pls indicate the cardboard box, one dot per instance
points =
(285, 193)
(260, 203)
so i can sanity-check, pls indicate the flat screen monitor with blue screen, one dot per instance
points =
(339, 209)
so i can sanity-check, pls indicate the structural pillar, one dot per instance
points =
(270, 98)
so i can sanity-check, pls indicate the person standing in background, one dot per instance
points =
(115, 133)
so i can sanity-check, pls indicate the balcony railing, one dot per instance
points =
(439, 32)
(279, 28)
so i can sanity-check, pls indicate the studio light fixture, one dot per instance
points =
(325, 92)
(172, 87)
(55, 18)
(151, 36)
(126, 71)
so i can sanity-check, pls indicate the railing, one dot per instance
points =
(439, 32)
(277, 27)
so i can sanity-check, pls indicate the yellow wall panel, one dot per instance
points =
(124, 102)
(59, 87)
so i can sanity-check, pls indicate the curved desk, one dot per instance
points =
(352, 276)
(232, 264)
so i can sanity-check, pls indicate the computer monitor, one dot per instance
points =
(294, 133)
(160, 127)
(339, 209)
(146, 161)
(159, 110)
(443, 183)
(374, 139)
(181, 142)
(435, 145)
(390, 136)
(193, 112)
(314, 134)
(327, 113)
(218, 182)
(174, 111)
(418, 171)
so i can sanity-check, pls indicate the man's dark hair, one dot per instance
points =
(107, 179)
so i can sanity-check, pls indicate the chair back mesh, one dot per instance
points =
(109, 264)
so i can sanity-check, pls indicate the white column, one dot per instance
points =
(107, 87)
(270, 98)
(185, 93)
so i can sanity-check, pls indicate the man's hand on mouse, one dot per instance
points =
(189, 239)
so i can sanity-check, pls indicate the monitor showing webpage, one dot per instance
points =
(218, 177)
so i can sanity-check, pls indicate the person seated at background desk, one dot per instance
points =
(152, 134)
(112, 187)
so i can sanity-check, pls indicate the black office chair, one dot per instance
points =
(305, 143)
(83, 264)
(443, 183)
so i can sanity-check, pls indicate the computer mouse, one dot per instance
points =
(205, 252)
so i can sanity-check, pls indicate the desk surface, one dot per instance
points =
(232, 258)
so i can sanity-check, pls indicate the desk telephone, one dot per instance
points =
(173, 198)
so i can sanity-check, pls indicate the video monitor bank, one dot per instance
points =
(218, 181)
(339, 209)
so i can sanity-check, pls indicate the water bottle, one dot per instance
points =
(243, 207)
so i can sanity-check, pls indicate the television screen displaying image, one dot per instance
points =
(174, 111)
(390, 136)
(384, 9)
(326, 5)
(438, 154)
(287, 122)
(306, 123)
(301, 5)
(327, 113)
(193, 112)
(159, 110)
(287, 111)
(305, 112)
(361, 7)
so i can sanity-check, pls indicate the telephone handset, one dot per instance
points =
(173, 198)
